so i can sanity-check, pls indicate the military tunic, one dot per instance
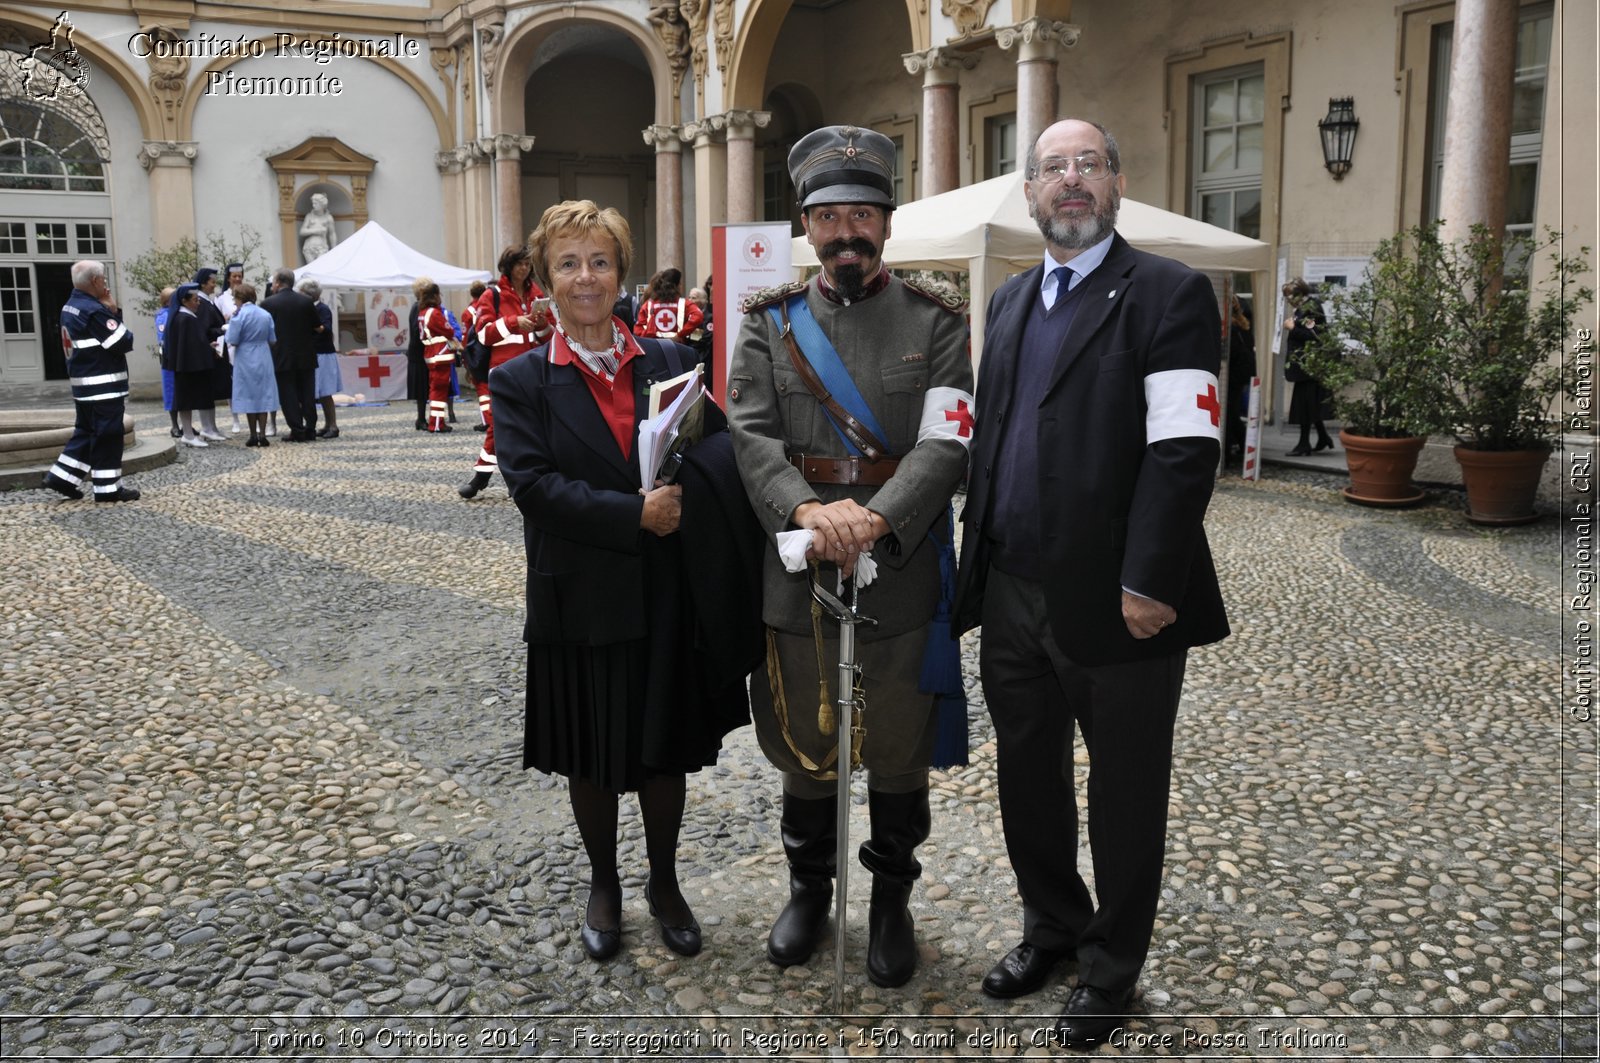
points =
(897, 344)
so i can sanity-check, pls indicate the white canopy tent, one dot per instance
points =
(985, 229)
(374, 258)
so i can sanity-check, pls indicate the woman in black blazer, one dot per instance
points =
(619, 697)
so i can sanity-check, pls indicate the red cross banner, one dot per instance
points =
(379, 376)
(745, 258)
(1181, 402)
(947, 413)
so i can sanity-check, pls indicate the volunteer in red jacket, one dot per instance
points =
(665, 313)
(512, 316)
(438, 353)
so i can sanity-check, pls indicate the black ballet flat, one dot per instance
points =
(600, 944)
(684, 940)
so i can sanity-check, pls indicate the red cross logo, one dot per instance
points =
(1208, 402)
(666, 320)
(758, 249)
(374, 371)
(962, 416)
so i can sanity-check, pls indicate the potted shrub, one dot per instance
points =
(1381, 357)
(1504, 363)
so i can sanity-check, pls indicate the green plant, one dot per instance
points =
(1504, 368)
(164, 267)
(1382, 354)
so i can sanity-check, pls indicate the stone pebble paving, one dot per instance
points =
(260, 797)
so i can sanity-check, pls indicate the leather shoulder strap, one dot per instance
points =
(856, 435)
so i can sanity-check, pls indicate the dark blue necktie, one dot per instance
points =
(1060, 274)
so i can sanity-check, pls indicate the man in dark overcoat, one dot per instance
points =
(294, 359)
(1085, 561)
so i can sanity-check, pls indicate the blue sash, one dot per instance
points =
(829, 367)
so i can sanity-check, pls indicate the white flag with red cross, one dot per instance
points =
(947, 413)
(1182, 402)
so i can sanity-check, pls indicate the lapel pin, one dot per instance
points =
(1112, 294)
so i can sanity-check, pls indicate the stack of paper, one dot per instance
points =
(676, 419)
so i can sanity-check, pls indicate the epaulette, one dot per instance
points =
(937, 292)
(771, 296)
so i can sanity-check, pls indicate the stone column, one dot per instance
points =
(1477, 125)
(1037, 41)
(939, 157)
(508, 149)
(743, 180)
(709, 136)
(668, 142)
(170, 164)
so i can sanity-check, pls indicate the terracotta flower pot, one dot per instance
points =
(1380, 470)
(1501, 484)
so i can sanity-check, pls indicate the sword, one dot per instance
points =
(847, 617)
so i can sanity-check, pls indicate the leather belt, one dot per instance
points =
(848, 471)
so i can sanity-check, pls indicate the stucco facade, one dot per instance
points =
(476, 116)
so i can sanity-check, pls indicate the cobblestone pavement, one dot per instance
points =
(260, 797)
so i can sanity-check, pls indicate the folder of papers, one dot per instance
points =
(675, 419)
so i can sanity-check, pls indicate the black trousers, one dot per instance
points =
(297, 394)
(94, 453)
(1036, 697)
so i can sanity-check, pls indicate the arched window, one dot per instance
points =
(53, 145)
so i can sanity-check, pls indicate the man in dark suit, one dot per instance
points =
(1085, 561)
(294, 359)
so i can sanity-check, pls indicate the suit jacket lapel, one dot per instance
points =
(571, 402)
(1104, 289)
(1001, 347)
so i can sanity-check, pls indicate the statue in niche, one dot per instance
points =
(317, 229)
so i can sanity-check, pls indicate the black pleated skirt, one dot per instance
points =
(192, 390)
(614, 715)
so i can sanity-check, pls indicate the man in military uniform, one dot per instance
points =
(97, 345)
(903, 346)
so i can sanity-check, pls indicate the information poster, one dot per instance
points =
(745, 258)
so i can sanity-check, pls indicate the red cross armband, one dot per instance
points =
(947, 413)
(1181, 403)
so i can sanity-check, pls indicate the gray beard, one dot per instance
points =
(1080, 233)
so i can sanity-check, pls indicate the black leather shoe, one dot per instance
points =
(60, 486)
(1023, 970)
(1090, 1015)
(1323, 444)
(684, 940)
(470, 489)
(480, 427)
(121, 494)
(1301, 451)
(600, 944)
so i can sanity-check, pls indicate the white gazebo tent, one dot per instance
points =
(984, 228)
(374, 258)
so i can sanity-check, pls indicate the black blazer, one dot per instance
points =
(579, 496)
(1116, 512)
(295, 317)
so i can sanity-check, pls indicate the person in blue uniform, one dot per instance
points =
(97, 363)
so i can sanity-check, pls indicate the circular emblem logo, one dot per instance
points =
(757, 249)
(666, 319)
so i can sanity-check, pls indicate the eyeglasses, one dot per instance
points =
(1089, 167)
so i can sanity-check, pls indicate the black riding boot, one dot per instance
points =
(479, 481)
(810, 832)
(900, 823)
